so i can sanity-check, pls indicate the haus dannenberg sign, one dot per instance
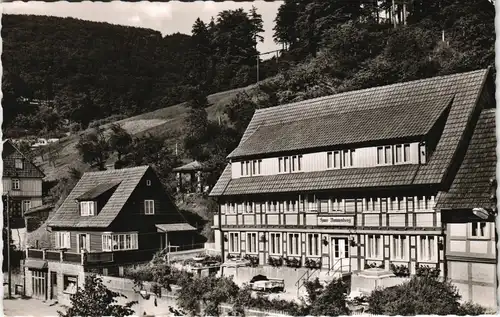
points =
(335, 221)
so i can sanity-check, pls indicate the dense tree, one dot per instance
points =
(94, 148)
(119, 140)
(95, 299)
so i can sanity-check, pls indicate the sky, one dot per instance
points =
(168, 18)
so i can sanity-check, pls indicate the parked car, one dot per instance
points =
(263, 284)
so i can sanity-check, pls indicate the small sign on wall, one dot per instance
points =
(335, 221)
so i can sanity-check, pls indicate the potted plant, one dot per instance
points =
(400, 270)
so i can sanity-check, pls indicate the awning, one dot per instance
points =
(36, 264)
(173, 227)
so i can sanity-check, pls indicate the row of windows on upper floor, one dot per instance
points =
(385, 155)
(333, 205)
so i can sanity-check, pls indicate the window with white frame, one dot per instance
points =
(120, 241)
(251, 242)
(384, 155)
(291, 206)
(248, 207)
(337, 205)
(399, 247)
(397, 204)
(296, 163)
(62, 240)
(275, 243)
(234, 242)
(18, 164)
(333, 159)
(423, 203)
(149, 207)
(479, 230)
(256, 167)
(273, 206)
(348, 158)
(349, 205)
(373, 246)
(313, 244)
(427, 248)
(87, 208)
(371, 205)
(16, 185)
(401, 153)
(26, 205)
(294, 244)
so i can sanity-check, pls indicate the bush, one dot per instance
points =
(422, 295)
(471, 309)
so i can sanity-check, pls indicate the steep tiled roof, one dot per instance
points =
(295, 125)
(471, 188)
(395, 120)
(9, 154)
(222, 182)
(68, 215)
(393, 175)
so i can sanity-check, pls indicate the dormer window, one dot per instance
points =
(87, 208)
(19, 164)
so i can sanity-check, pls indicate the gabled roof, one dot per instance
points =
(68, 215)
(396, 111)
(98, 191)
(9, 154)
(471, 185)
(399, 119)
(190, 167)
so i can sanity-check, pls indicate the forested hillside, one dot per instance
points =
(89, 71)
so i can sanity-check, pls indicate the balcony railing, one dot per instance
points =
(71, 257)
(99, 257)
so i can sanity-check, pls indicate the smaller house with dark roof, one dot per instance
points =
(110, 220)
(22, 184)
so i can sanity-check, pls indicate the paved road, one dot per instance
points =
(29, 307)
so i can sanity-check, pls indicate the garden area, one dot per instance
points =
(196, 295)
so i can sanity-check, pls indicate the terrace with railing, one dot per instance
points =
(69, 257)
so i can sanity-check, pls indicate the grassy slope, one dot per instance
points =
(166, 122)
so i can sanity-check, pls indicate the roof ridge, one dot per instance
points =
(145, 167)
(367, 90)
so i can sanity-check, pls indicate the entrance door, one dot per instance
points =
(53, 285)
(339, 255)
(82, 242)
(39, 283)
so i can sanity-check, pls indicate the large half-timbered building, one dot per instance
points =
(351, 180)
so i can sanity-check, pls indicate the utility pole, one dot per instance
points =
(8, 246)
